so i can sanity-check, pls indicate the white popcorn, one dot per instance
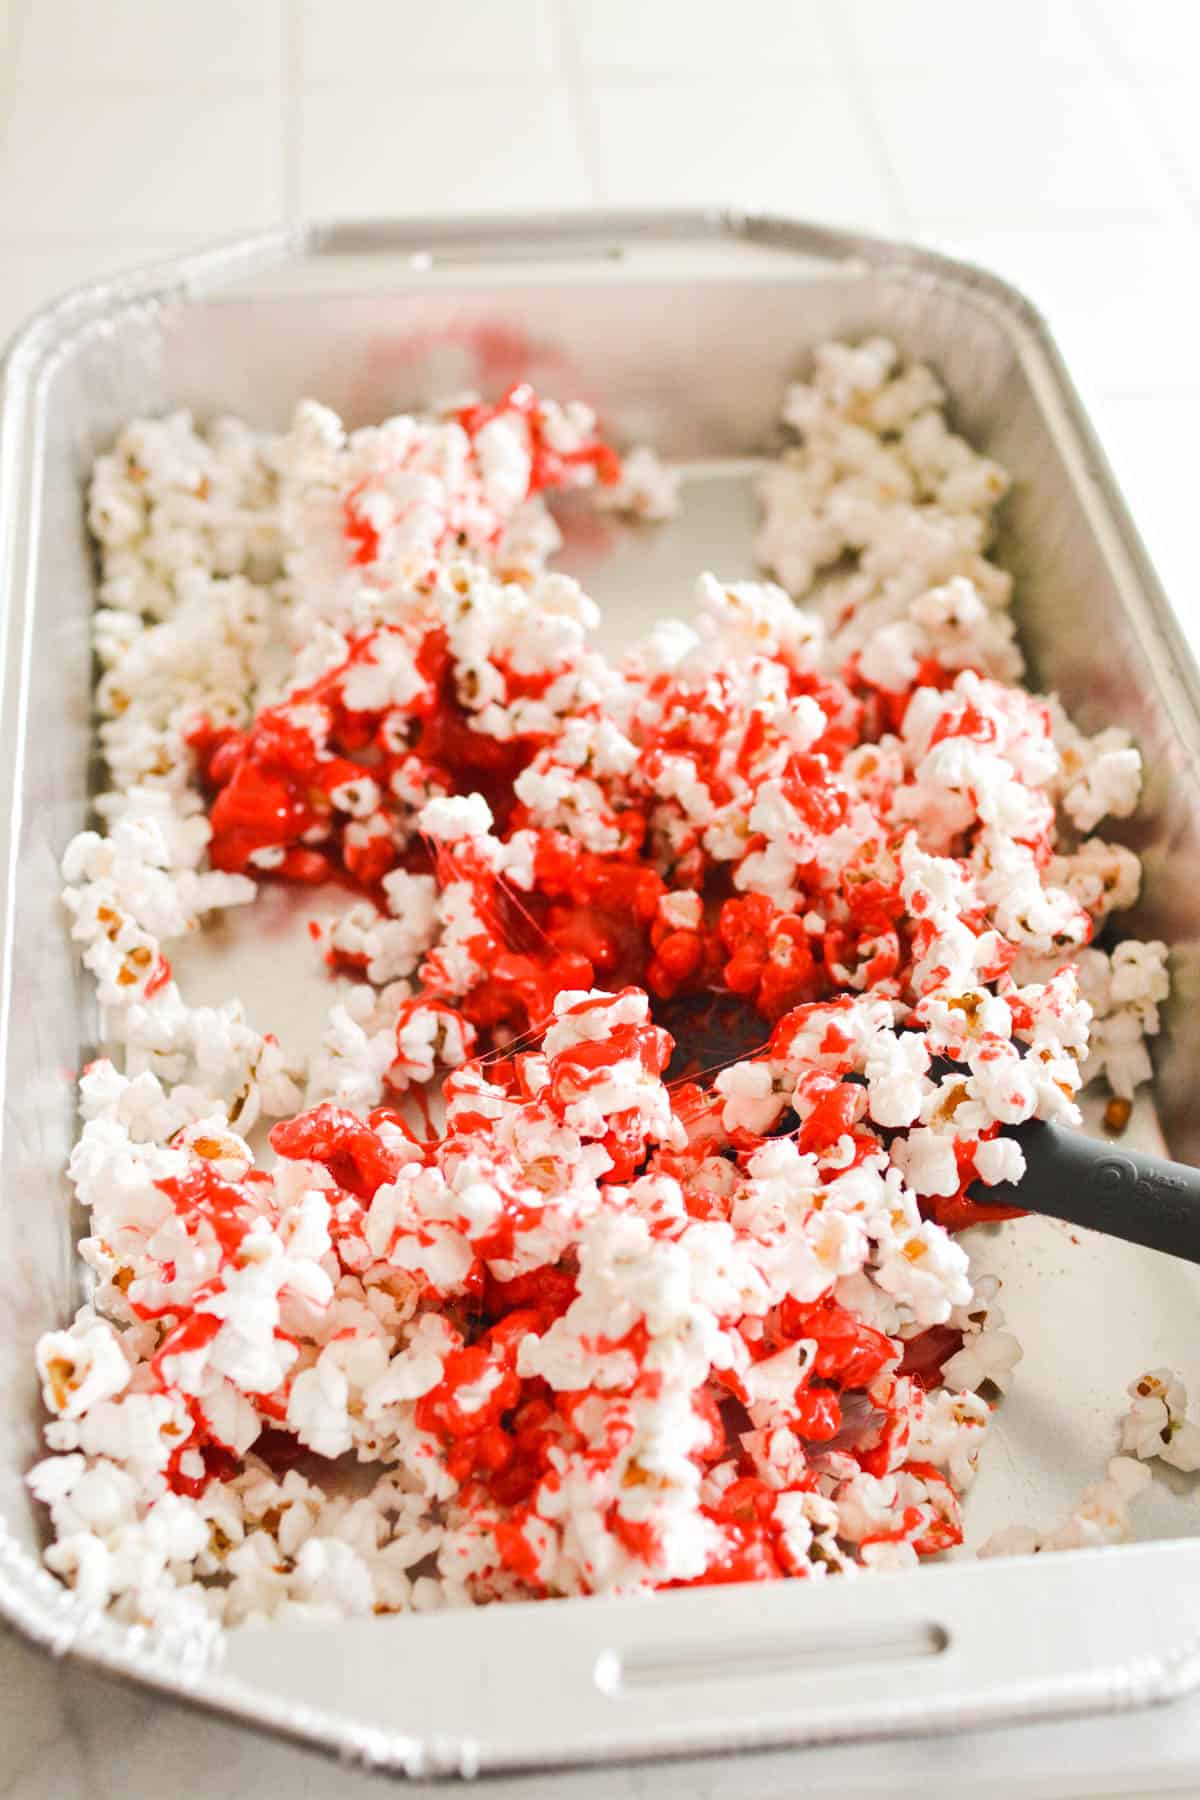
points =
(1157, 1423)
(1125, 991)
(81, 1367)
(317, 1408)
(447, 820)
(752, 1102)
(647, 489)
(1101, 1516)
(847, 817)
(985, 1356)
(1108, 784)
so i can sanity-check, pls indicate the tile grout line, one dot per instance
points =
(1187, 190)
(571, 68)
(775, 81)
(290, 57)
(35, 243)
(10, 42)
(856, 86)
(208, 87)
(12, 34)
(129, 88)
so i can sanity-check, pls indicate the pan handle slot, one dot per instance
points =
(619, 1672)
(451, 256)
(607, 237)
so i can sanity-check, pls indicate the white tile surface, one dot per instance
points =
(149, 41)
(119, 164)
(363, 43)
(674, 37)
(966, 43)
(977, 153)
(1172, 102)
(789, 145)
(1147, 434)
(480, 146)
(1155, 37)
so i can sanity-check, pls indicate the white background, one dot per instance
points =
(1056, 142)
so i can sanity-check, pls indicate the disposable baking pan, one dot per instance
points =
(684, 328)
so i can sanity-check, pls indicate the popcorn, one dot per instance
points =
(1124, 990)
(1157, 1423)
(448, 820)
(645, 489)
(1103, 777)
(1103, 878)
(985, 1356)
(1101, 1517)
(680, 1004)
(81, 1367)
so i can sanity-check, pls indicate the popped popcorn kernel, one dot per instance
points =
(606, 1239)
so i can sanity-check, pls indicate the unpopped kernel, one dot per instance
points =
(606, 1239)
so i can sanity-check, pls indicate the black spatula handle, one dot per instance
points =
(1124, 1193)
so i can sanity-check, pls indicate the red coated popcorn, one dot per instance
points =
(609, 1229)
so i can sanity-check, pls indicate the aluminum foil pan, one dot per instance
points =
(684, 327)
